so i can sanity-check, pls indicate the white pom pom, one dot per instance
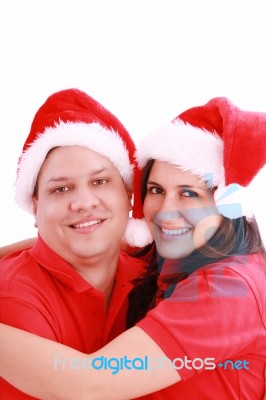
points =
(137, 233)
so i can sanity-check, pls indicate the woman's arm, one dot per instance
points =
(11, 248)
(50, 370)
(25, 244)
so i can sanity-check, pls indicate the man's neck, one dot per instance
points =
(100, 274)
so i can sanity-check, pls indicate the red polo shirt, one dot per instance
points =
(41, 293)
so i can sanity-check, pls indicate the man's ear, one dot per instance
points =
(34, 204)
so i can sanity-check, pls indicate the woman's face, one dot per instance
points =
(180, 211)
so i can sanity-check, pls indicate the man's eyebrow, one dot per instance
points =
(97, 171)
(90, 174)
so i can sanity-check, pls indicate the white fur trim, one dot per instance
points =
(192, 149)
(137, 233)
(200, 152)
(97, 138)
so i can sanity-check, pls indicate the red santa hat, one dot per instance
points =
(71, 117)
(218, 142)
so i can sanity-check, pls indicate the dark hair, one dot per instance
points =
(233, 237)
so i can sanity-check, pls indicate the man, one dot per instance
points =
(75, 175)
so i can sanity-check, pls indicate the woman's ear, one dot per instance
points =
(130, 199)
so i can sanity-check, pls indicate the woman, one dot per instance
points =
(206, 337)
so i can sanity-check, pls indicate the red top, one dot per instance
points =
(41, 293)
(218, 312)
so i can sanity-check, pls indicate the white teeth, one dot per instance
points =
(86, 224)
(179, 231)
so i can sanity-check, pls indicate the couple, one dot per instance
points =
(194, 304)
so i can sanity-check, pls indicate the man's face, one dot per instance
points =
(81, 205)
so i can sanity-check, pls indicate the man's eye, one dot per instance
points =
(99, 182)
(60, 189)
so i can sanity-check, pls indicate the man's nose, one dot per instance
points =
(83, 199)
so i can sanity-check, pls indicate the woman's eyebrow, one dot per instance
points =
(153, 183)
(191, 187)
(179, 186)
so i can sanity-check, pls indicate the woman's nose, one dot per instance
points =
(169, 209)
(168, 215)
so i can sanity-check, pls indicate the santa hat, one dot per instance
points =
(71, 117)
(218, 142)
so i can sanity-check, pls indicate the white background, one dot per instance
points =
(145, 60)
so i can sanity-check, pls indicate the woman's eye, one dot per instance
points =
(155, 190)
(189, 193)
